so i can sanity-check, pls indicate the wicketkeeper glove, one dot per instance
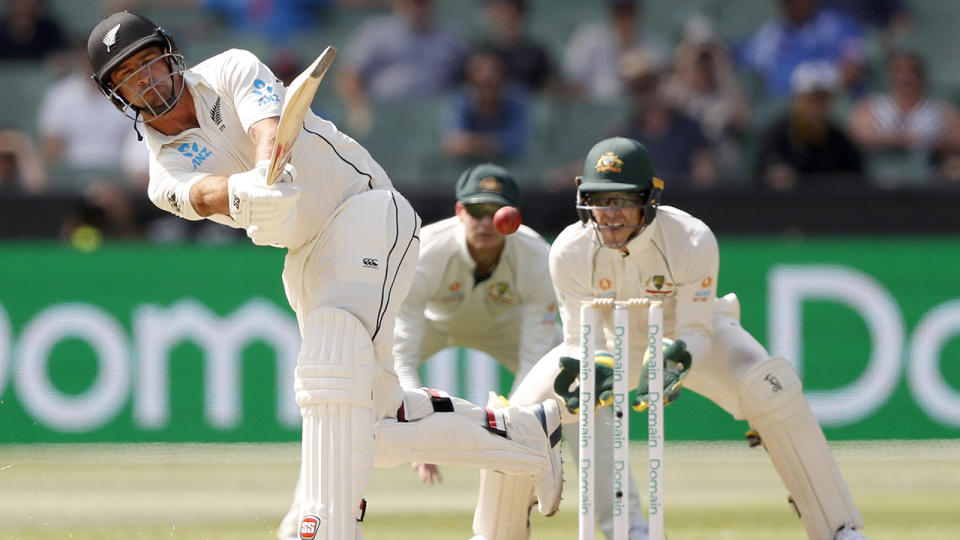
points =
(267, 213)
(676, 366)
(569, 374)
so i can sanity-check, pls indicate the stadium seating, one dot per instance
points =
(406, 136)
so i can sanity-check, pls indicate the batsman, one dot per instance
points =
(625, 246)
(352, 246)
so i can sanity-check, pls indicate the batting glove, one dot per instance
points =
(676, 366)
(569, 392)
(267, 213)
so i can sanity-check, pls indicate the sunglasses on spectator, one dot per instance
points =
(482, 210)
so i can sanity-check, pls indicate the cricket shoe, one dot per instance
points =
(548, 485)
(848, 533)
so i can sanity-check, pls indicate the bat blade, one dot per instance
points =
(296, 103)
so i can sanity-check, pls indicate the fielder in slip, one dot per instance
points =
(352, 247)
(479, 289)
(628, 246)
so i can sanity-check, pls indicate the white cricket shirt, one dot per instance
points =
(232, 91)
(674, 260)
(511, 315)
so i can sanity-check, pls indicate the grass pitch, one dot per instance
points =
(905, 490)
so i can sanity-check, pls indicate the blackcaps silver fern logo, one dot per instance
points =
(110, 38)
(216, 115)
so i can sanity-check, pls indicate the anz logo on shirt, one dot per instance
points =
(196, 154)
(267, 93)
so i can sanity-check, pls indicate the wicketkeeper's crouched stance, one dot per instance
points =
(627, 246)
(352, 245)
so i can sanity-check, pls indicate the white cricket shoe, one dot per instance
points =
(548, 486)
(847, 533)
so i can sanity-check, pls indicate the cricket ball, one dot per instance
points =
(507, 220)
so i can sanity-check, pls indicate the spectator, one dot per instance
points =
(278, 21)
(704, 86)
(592, 59)
(21, 169)
(397, 56)
(804, 146)
(80, 130)
(806, 33)
(27, 33)
(891, 17)
(527, 61)
(488, 118)
(685, 157)
(906, 122)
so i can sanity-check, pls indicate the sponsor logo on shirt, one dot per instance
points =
(456, 295)
(707, 281)
(605, 284)
(196, 154)
(267, 93)
(370, 262)
(550, 316)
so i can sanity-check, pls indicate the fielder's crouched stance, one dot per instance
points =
(626, 246)
(352, 245)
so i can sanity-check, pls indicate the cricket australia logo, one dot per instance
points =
(215, 114)
(370, 262)
(609, 162)
(196, 154)
(774, 382)
(110, 38)
(268, 94)
(491, 184)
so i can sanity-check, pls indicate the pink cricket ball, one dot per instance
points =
(507, 220)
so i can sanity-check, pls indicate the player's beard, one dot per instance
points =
(161, 96)
(156, 99)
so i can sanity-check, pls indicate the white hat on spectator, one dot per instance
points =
(818, 76)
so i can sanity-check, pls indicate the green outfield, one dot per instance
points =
(906, 490)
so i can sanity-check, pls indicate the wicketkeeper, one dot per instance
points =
(352, 246)
(626, 245)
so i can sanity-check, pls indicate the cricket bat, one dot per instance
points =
(296, 103)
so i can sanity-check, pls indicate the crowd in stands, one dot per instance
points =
(824, 93)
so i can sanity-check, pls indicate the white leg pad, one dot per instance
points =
(504, 501)
(503, 506)
(333, 383)
(771, 397)
(509, 440)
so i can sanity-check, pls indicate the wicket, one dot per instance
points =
(621, 418)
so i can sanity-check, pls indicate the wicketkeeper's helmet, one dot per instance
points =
(618, 164)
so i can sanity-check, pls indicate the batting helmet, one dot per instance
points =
(118, 37)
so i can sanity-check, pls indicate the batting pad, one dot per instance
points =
(333, 383)
(504, 501)
(509, 440)
(503, 506)
(771, 397)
